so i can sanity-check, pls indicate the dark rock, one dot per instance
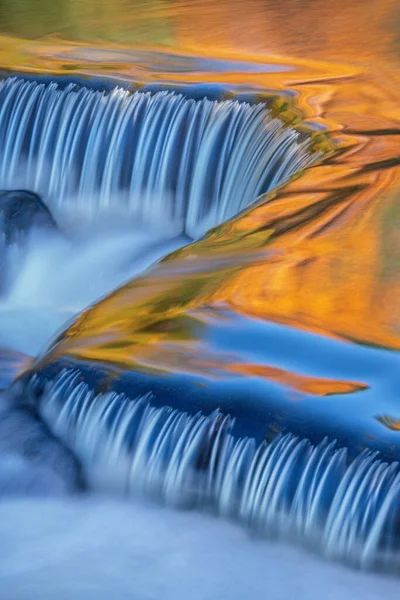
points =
(20, 212)
(32, 460)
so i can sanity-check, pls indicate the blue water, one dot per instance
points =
(193, 164)
(100, 548)
(129, 178)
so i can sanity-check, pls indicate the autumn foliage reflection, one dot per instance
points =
(321, 254)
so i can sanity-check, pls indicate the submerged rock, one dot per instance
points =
(20, 212)
(32, 460)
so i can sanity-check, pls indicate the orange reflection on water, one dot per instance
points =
(390, 423)
(315, 386)
(341, 30)
(321, 253)
(315, 255)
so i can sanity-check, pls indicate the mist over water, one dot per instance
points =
(52, 276)
(46, 279)
(97, 549)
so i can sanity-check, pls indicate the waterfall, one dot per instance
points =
(191, 163)
(287, 488)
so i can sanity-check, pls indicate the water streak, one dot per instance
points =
(197, 163)
(288, 488)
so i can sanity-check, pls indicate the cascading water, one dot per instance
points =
(290, 488)
(192, 163)
(125, 174)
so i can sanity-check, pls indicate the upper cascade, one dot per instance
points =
(195, 163)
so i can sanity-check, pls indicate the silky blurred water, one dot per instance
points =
(53, 276)
(336, 275)
(97, 549)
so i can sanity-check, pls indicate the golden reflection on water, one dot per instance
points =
(341, 30)
(323, 253)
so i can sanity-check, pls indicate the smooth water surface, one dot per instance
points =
(100, 548)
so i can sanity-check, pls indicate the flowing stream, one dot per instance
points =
(130, 177)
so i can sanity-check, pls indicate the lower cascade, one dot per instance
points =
(287, 488)
(194, 163)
